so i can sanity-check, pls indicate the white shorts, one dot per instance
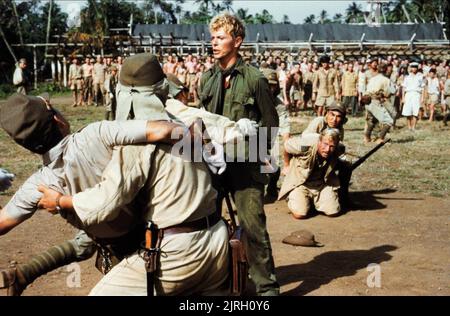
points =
(412, 104)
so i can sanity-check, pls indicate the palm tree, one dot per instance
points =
(310, 19)
(286, 19)
(178, 8)
(354, 13)
(323, 16)
(205, 3)
(156, 4)
(49, 22)
(244, 16)
(337, 18)
(264, 17)
(228, 5)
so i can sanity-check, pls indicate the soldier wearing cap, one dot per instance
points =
(413, 95)
(21, 78)
(379, 89)
(141, 94)
(71, 163)
(192, 239)
(239, 91)
(312, 174)
(326, 86)
(177, 90)
(335, 118)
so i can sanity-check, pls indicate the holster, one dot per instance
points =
(112, 251)
(238, 263)
(151, 252)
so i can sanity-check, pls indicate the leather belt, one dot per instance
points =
(200, 224)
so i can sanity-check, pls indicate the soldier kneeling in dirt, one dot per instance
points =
(312, 174)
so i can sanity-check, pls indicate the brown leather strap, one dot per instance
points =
(200, 224)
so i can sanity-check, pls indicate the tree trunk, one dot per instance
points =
(406, 13)
(16, 15)
(49, 22)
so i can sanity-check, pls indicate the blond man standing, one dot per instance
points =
(240, 92)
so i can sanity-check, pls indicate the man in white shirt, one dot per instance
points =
(413, 95)
(432, 91)
(20, 79)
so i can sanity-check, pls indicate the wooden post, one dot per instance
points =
(64, 71)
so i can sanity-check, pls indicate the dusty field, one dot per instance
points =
(401, 223)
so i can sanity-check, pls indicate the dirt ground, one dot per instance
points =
(406, 234)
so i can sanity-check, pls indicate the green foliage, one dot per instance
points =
(51, 88)
(6, 90)
(311, 19)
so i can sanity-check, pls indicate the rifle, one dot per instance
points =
(364, 157)
(345, 171)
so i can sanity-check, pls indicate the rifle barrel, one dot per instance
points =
(363, 158)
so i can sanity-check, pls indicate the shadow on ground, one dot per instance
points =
(329, 266)
(369, 200)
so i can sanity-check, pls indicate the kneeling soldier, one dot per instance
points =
(312, 174)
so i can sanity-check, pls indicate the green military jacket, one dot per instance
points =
(248, 96)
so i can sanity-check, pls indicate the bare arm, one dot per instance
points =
(7, 222)
(49, 200)
(161, 131)
(287, 87)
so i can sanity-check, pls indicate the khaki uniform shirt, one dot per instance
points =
(75, 164)
(99, 73)
(308, 77)
(75, 72)
(349, 84)
(326, 83)
(304, 162)
(151, 181)
(441, 72)
(378, 86)
(447, 88)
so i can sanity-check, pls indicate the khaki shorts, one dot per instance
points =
(325, 200)
(324, 101)
(432, 99)
(76, 85)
